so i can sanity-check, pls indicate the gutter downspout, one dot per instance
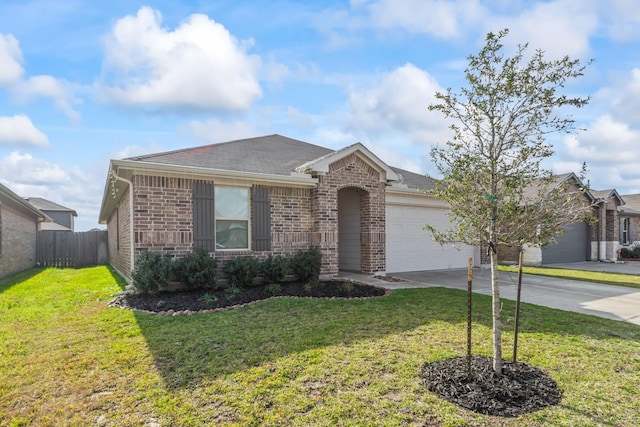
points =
(131, 234)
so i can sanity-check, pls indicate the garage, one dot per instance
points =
(572, 246)
(408, 246)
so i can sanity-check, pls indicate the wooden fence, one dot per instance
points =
(69, 249)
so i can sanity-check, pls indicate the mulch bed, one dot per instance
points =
(207, 300)
(519, 390)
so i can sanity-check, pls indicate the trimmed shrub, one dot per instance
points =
(196, 270)
(306, 264)
(631, 252)
(151, 272)
(275, 268)
(242, 271)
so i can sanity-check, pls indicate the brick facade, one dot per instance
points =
(350, 172)
(119, 236)
(605, 233)
(300, 217)
(18, 233)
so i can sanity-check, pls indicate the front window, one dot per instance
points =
(232, 218)
(625, 230)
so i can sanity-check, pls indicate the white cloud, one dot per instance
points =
(607, 142)
(29, 172)
(136, 150)
(399, 102)
(10, 60)
(559, 27)
(67, 185)
(438, 18)
(20, 130)
(24, 90)
(623, 19)
(199, 65)
(45, 86)
(215, 130)
(625, 99)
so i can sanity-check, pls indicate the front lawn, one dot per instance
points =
(68, 359)
(629, 280)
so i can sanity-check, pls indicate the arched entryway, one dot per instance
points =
(349, 228)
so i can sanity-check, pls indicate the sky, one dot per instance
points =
(85, 81)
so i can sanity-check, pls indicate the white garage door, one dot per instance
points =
(410, 248)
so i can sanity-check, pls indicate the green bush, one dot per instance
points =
(242, 271)
(273, 288)
(275, 268)
(151, 272)
(196, 270)
(306, 264)
(631, 252)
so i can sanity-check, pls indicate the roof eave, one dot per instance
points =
(24, 206)
(132, 167)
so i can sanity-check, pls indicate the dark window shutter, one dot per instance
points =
(261, 219)
(204, 221)
(622, 236)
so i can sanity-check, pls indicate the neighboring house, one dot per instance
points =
(614, 223)
(276, 195)
(18, 232)
(630, 220)
(605, 237)
(573, 245)
(62, 217)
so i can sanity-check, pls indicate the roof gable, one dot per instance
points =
(603, 195)
(321, 164)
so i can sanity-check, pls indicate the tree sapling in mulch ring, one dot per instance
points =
(519, 390)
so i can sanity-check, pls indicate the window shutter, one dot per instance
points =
(204, 224)
(261, 219)
(622, 236)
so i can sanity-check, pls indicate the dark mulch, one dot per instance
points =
(211, 299)
(519, 390)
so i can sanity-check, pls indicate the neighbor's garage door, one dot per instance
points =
(410, 248)
(570, 247)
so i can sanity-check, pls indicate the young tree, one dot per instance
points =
(493, 177)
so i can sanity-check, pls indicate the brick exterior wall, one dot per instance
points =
(163, 214)
(18, 234)
(605, 233)
(300, 217)
(350, 172)
(119, 236)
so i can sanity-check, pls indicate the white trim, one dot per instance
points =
(200, 172)
(321, 165)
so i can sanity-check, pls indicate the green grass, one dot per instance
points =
(629, 280)
(68, 359)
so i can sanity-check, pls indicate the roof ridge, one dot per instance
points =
(199, 147)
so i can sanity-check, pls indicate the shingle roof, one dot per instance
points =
(415, 180)
(47, 205)
(632, 201)
(271, 154)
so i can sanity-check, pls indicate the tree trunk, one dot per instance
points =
(495, 293)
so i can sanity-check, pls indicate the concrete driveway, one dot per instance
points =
(613, 302)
